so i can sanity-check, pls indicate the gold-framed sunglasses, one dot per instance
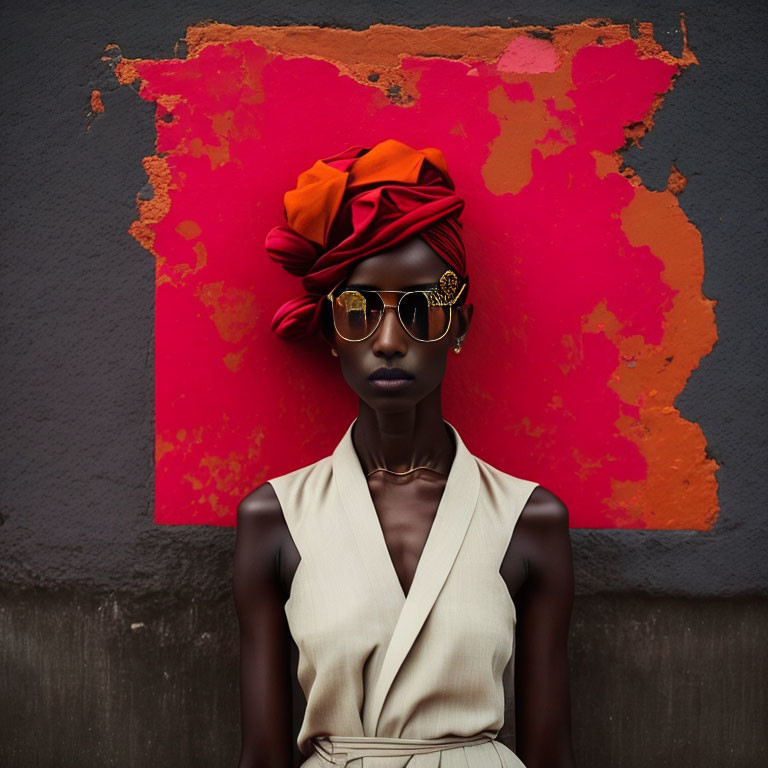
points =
(425, 315)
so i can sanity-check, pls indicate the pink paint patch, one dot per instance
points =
(527, 55)
(571, 337)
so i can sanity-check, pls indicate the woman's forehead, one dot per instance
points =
(409, 264)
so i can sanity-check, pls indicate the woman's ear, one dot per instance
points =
(464, 319)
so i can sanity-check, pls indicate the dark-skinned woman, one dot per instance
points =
(407, 571)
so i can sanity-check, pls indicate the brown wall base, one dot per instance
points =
(116, 682)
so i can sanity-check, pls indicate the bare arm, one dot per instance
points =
(544, 601)
(265, 683)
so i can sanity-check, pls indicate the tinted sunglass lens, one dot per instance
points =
(422, 321)
(356, 314)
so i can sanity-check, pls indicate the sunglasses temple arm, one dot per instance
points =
(458, 295)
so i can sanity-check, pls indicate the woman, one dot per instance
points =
(394, 563)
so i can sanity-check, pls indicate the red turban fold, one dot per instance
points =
(352, 205)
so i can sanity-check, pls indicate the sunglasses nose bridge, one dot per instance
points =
(394, 299)
(390, 338)
(383, 319)
(393, 304)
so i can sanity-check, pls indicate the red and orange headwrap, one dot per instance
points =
(353, 205)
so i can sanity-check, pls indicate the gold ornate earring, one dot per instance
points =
(457, 348)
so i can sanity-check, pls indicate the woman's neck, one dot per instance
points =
(399, 441)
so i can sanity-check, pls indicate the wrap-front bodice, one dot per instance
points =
(377, 664)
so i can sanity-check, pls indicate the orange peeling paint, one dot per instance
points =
(189, 229)
(680, 489)
(676, 182)
(153, 211)
(234, 311)
(519, 129)
(234, 360)
(125, 70)
(97, 105)
(161, 448)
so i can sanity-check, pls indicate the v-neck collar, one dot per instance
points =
(446, 535)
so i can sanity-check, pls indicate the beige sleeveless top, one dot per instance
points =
(392, 680)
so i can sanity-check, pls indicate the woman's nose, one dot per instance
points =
(390, 337)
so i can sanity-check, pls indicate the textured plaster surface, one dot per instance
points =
(78, 295)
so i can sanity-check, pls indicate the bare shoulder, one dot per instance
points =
(260, 516)
(544, 511)
(261, 527)
(542, 532)
(259, 506)
(264, 548)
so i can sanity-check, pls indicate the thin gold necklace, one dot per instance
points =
(407, 472)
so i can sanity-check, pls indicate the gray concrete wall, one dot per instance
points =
(668, 658)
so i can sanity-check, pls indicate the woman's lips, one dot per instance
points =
(390, 379)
